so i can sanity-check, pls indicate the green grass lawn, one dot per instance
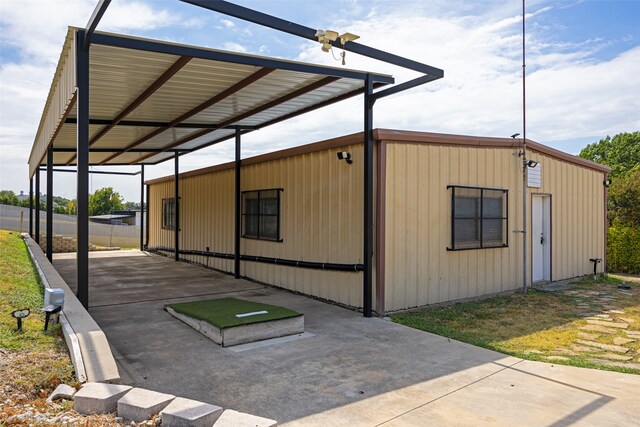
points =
(539, 325)
(31, 359)
(221, 313)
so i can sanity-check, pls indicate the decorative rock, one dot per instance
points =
(599, 319)
(612, 356)
(230, 418)
(607, 347)
(604, 316)
(140, 404)
(615, 311)
(98, 398)
(534, 352)
(626, 319)
(586, 336)
(63, 391)
(622, 341)
(189, 413)
(608, 324)
(633, 334)
(583, 349)
(597, 328)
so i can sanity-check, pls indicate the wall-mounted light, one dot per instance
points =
(515, 135)
(607, 182)
(345, 155)
(532, 163)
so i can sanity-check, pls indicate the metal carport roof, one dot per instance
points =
(146, 105)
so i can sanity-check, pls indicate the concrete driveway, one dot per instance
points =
(346, 370)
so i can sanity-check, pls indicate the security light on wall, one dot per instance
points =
(532, 163)
(345, 155)
(515, 135)
(607, 182)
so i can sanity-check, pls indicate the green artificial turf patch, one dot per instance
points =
(221, 313)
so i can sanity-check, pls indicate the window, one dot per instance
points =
(169, 214)
(478, 218)
(261, 214)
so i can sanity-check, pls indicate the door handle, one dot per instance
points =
(541, 239)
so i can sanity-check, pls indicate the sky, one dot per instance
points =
(582, 73)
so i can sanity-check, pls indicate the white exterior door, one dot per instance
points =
(540, 238)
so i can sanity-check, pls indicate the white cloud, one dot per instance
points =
(234, 47)
(227, 23)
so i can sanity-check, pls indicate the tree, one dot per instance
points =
(103, 201)
(132, 206)
(624, 199)
(8, 197)
(621, 153)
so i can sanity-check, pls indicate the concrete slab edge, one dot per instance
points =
(82, 334)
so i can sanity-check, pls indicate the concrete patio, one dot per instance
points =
(345, 370)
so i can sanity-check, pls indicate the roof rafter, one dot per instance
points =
(288, 97)
(262, 72)
(157, 84)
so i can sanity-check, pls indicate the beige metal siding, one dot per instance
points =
(419, 269)
(577, 216)
(321, 217)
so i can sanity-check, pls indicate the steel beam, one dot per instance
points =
(288, 97)
(49, 247)
(98, 172)
(176, 206)
(289, 27)
(203, 106)
(37, 219)
(82, 149)
(368, 201)
(99, 10)
(235, 58)
(31, 207)
(147, 123)
(238, 213)
(141, 207)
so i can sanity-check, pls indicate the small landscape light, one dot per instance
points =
(19, 315)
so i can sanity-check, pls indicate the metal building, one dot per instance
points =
(448, 217)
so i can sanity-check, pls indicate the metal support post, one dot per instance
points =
(141, 207)
(31, 207)
(368, 199)
(82, 149)
(236, 260)
(176, 205)
(37, 218)
(49, 247)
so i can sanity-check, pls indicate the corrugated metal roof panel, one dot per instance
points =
(118, 77)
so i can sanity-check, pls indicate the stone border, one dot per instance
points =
(88, 346)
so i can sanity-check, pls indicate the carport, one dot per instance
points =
(122, 100)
